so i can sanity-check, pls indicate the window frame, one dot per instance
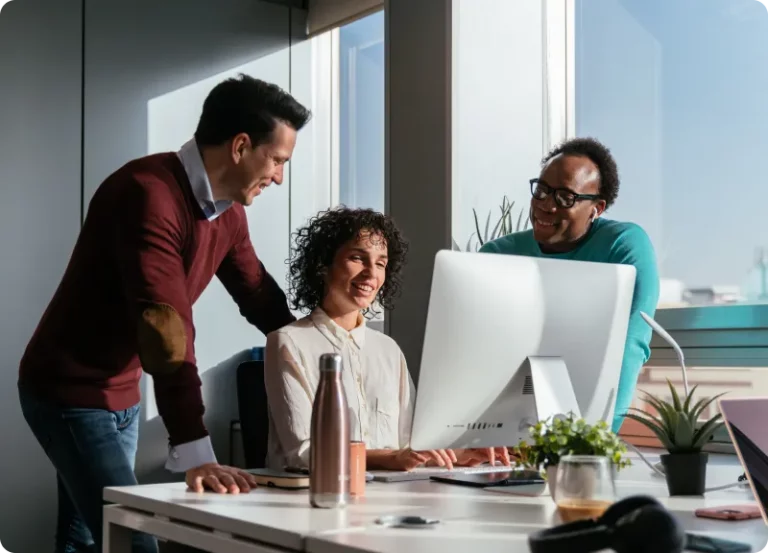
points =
(351, 59)
(331, 51)
(335, 118)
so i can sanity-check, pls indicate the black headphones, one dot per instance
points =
(637, 524)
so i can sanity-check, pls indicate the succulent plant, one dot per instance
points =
(677, 421)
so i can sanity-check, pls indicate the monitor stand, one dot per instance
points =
(552, 388)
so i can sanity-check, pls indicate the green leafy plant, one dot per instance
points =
(675, 424)
(503, 226)
(552, 439)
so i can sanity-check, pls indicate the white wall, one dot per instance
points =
(497, 108)
(40, 48)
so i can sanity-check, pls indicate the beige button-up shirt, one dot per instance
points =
(376, 381)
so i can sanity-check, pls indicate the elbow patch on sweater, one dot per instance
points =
(162, 339)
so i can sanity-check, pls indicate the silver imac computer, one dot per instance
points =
(511, 340)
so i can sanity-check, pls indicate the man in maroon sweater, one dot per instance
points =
(157, 231)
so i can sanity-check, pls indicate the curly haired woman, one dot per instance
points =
(346, 263)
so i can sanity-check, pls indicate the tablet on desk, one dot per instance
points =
(489, 479)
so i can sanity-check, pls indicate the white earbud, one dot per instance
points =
(594, 214)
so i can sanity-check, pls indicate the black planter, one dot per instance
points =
(686, 473)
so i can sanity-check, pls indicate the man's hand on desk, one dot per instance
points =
(219, 479)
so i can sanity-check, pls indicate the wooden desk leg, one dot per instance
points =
(117, 539)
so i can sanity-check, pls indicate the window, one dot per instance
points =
(361, 113)
(675, 90)
(340, 75)
(361, 117)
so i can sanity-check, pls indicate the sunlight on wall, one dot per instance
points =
(221, 332)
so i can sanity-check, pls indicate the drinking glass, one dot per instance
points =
(585, 487)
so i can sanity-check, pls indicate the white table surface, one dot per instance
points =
(493, 520)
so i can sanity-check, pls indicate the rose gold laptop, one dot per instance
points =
(745, 419)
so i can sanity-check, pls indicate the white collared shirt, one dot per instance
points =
(198, 177)
(183, 457)
(379, 389)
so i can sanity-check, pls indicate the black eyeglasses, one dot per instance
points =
(564, 197)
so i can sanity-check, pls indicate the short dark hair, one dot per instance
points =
(316, 245)
(247, 105)
(608, 187)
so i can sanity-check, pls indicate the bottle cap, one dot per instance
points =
(330, 362)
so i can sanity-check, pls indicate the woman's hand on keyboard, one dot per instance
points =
(474, 457)
(408, 459)
(440, 458)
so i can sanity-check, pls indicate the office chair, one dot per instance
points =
(254, 412)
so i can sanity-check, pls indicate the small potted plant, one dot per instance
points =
(685, 464)
(560, 436)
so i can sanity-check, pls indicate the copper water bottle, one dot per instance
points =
(329, 438)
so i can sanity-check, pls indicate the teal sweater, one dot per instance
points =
(609, 242)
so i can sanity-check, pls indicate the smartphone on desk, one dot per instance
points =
(730, 512)
(491, 479)
(708, 544)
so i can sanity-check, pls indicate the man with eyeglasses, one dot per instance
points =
(579, 180)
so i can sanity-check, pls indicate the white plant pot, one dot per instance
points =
(552, 480)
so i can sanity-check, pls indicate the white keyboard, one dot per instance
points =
(424, 473)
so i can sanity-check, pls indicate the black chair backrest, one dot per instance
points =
(254, 412)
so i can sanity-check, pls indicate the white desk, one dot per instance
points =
(267, 520)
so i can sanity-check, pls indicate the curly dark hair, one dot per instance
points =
(600, 156)
(315, 247)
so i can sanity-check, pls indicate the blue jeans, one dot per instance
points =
(91, 449)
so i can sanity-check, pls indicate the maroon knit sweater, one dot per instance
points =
(144, 256)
